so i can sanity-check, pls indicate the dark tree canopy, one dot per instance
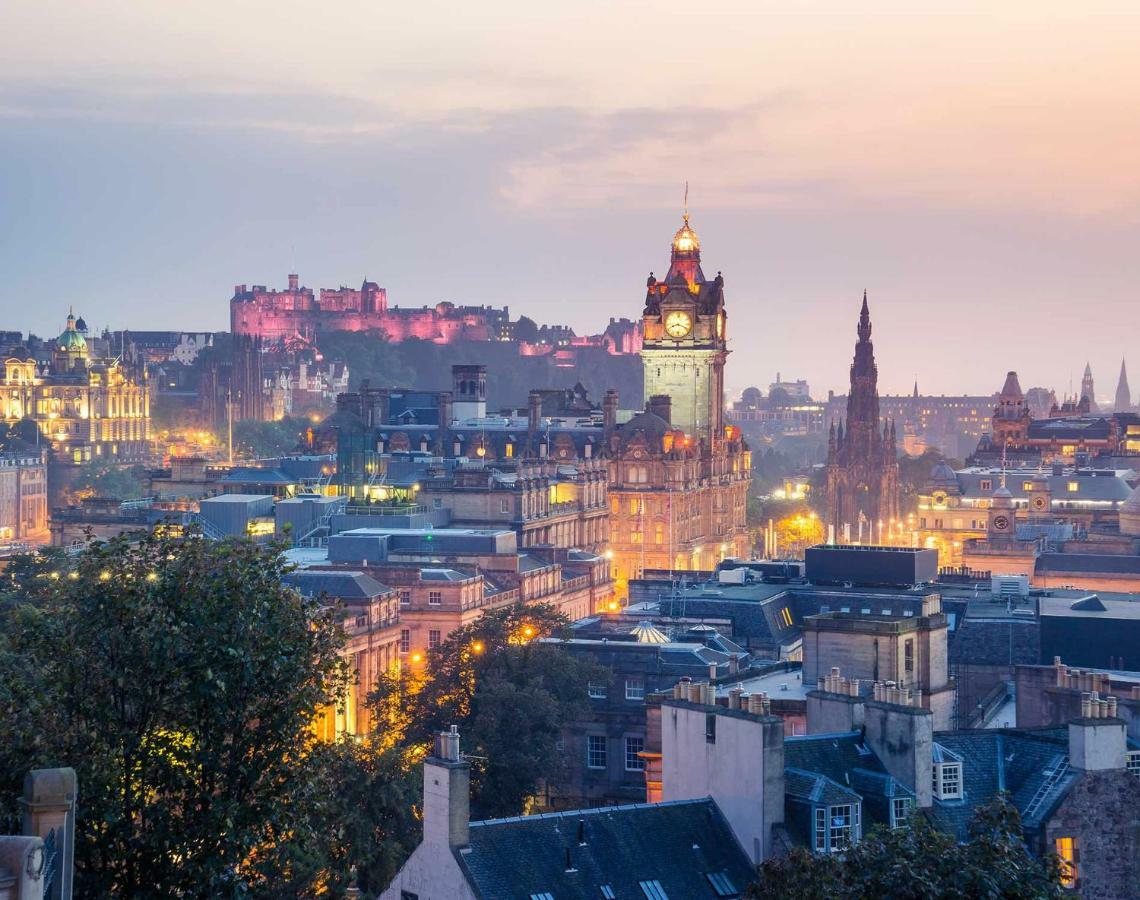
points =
(509, 693)
(181, 681)
(919, 862)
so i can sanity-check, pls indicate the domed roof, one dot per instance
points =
(686, 240)
(1002, 497)
(943, 475)
(71, 341)
(651, 423)
(1130, 515)
(80, 325)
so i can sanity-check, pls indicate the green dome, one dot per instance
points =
(71, 341)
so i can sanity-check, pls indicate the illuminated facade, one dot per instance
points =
(862, 458)
(274, 316)
(86, 408)
(679, 477)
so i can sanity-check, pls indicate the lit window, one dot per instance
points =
(900, 811)
(433, 639)
(435, 598)
(1074, 487)
(1027, 485)
(1066, 848)
(634, 746)
(986, 485)
(1133, 762)
(405, 640)
(634, 689)
(596, 690)
(596, 751)
(608, 892)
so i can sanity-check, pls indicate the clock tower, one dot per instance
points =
(684, 346)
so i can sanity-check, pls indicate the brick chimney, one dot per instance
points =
(447, 793)
(443, 405)
(661, 405)
(294, 282)
(609, 411)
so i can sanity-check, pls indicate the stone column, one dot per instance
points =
(49, 803)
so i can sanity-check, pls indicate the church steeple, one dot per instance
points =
(1087, 390)
(1123, 393)
(864, 329)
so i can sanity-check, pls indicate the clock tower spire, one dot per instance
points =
(684, 347)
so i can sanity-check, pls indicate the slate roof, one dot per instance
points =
(255, 475)
(815, 788)
(677, 844)
(995, 642)
(1017, 761)
(339, 584)
(1088, 562)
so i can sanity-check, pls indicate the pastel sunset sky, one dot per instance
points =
(973, 165)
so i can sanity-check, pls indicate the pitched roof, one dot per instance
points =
(1018, 761)
(339, 584)
(677, 844)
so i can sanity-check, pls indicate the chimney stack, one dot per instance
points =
(447, 793)
(661, 405)
(294, 282)
(609, 411)
(443, 406)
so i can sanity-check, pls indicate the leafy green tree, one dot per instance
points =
(267, 439)
(526, 329)
(509, 693)
(116, 481)
(919, 862)
(181, 681)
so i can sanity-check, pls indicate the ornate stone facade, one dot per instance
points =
(862, 456)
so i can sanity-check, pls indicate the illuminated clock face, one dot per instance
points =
(1039, 503)
(1001, 523)
(678, 323)
(939, 499)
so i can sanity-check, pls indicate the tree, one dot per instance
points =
(526, 330)
(918, 862)
(116, 481)
(267, 439)
(181, 680)
(509, 693)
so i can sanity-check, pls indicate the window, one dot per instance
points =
(1027, 485)
(596, 751)
(1074, 487)
(710, 728)
(504, 505)
(405, 597)
(653, 890)
(1133, 762)
(405, 640)
(786, 616)
(843, 827)
(986, 485)
(908, 655)
(1066, 848)
(596, 690)
(435, 598)
(947, 781)
(900, 811)
(633, 746)
(721, 884)
(545, 895)
(820, 829)
(634, 689)
(436, 503)
(433, 639)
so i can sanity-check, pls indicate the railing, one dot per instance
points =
(413, 509)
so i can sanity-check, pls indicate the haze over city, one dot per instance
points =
(972, 167)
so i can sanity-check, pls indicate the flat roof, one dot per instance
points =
(773, 684)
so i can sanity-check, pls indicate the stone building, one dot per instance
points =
(23, 497)
(86, 408)
(862, 455)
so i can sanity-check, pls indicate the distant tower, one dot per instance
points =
(862, 459)
(1010, 422)
(469, 389)
(1123, 394)
(1087, 389)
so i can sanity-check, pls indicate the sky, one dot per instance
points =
(972, 165)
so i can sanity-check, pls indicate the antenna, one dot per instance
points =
(686, 213)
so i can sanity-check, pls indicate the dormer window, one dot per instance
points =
(947, 778)
(900, 811)
(1133, 762)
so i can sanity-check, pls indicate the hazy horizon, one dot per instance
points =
(972, 168)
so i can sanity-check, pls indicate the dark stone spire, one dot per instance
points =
(1123, 392)
(864, 329)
